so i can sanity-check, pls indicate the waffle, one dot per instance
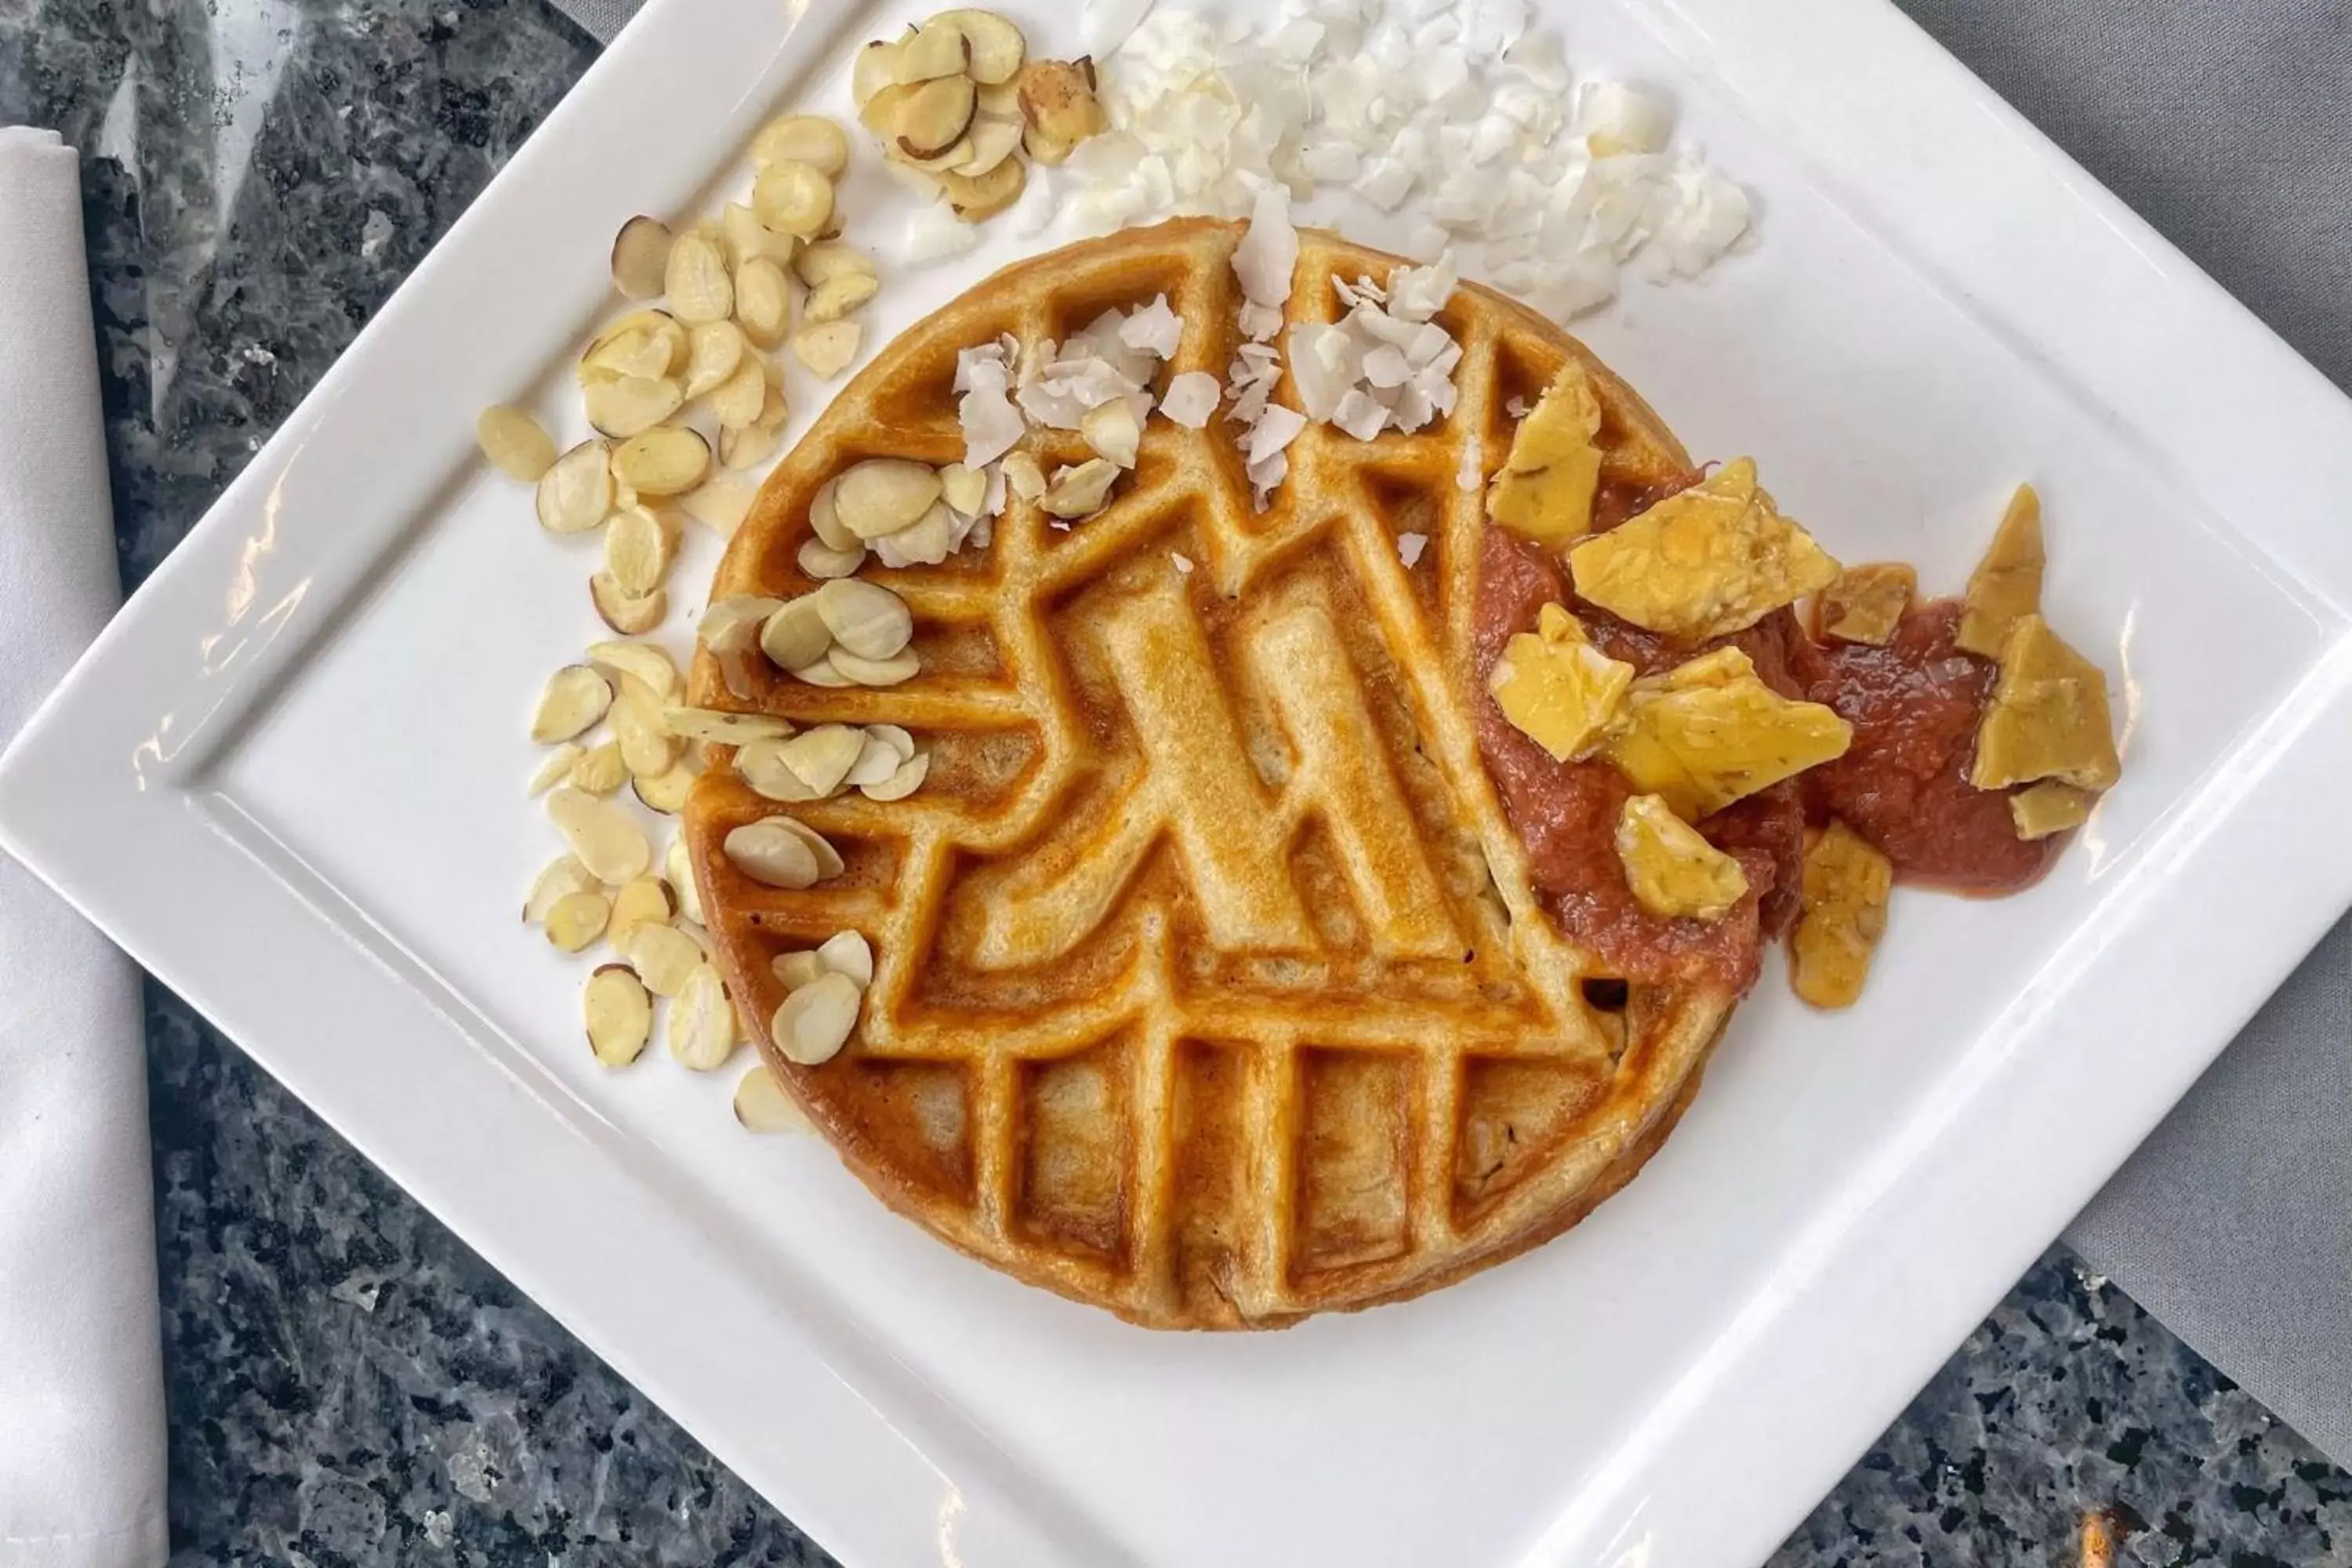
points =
(1211, 988)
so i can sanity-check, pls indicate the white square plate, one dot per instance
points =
(288, 780)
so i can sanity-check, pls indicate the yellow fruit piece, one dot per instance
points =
(1709, 731)
(1716, 558)
(2049, 716)
(1561, 691)
(2007, 582)
(1674, 872)
(2050, 807)
(1843, 915)
(1545, 490)
(1867, 602)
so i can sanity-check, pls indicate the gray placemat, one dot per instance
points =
(2228, 124)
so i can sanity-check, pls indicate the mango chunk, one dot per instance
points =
(1706, 563)
(1842, 917)
(2049, 807)
(1545, 490)
(1867, 602)
(1709, 731)
(1561, 691)
(2049, 716)
(2007, 582)
(1673, 871)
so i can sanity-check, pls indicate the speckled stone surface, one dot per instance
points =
(348, 1384)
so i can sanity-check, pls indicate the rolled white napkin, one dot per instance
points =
(81, 1387)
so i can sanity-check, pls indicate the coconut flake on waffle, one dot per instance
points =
(1385, 364)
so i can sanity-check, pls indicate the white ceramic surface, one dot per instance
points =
(289, 780)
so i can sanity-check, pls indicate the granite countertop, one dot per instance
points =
(348, 1384)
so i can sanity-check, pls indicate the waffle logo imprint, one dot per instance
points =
(1199, 791)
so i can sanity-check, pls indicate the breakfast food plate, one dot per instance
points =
(288, 780)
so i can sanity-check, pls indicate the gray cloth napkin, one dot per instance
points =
(2225, 123)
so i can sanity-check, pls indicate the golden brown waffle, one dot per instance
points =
(1210, 984)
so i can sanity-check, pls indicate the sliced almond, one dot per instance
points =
(619, 1014)
(1080, 492)
(822, 757)
(713, 350)
(1023, 476)
(997, 47)
(740, 403)
(939, 162)
(930, 119)
(641, 256)
(648, 344)
(702, 1025)
(883, 495)
(641, 899)
(964, 489)
(562, 878)
(554, 768)
(793, 198)
(631, 615)
(848, 954)
(514, 442)
(826, 349)
(665, 792)
(664, 957)
(770, 854)
(978, 198)
(575, 493)
(866, 618)
(603, 836)
(899, 669)
(631, 405)
(902, 783)
(762, 766)
(720, 504)
(696, 281)
(794, 970)
(574, 697)
(816, 1021)
(641, 661)
(796, 635)
(837, 296)
(749, 446)
(989, 143)
(748, 240)
(763, 1105)
(938, 49)
(821, 561)
(808, 139)
(667, 460)
(894, 737)
(829, 863)
(1113, 431)
(874, 69)
(878, 759)
(679, 866)
(822, 673)
(820, 263)
(576, 920)
(730, 630)
(600, 770)
(926, 541)
(637, 551)
(824, 517)
(646, 745)
(1057, 100)
(722, 728)
(764, 305)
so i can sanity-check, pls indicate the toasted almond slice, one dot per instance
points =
(820, 263)
(938, 49)
(990, 142)
(695, 280)
(600, 770)
(1113, 431)
(964, 489)
(554, 768)
(641, 256)
(679, 866)
(899, 669)
(575, 493)
(883, 495)
(713, 350)
(770, 854)
(824, 517)
(723, 728)
(848, 954)
(701, 1026)
(640, 899)
(662, 956)
(649, 344)
(577, 920)
(793, 198)
(763, 1105)
(749, 446)
(795, 635)
(667, 460)
(979, 197)
(821, 561)
(603, 836)
(748, 239)
(646, 745)
(998, 49)
(941, 162)
(514, 442)
(631, 615)
(902, 783)
(632, 403)
(1046, 149)
(763, 304)
(929, 119)
(720, 504)
(837, 297)
(826, 349)
(619, 1014)
(739, 404)
(641, 661)
(822, 673)
(637, 551)
(665, 792)
(562, 878)
(816, 1021)
(574, 697)
(808, 139)
(1080, 492)
(866, 618)
(874, 69)
(794, 970)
